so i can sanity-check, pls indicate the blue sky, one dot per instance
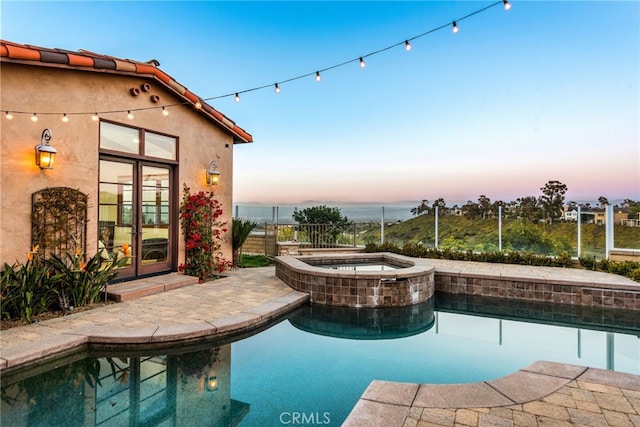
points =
(548, 90)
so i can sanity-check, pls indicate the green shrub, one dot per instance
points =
(80, 283)
(588, 262)
(26, 290)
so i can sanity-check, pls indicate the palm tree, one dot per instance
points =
(240, 230)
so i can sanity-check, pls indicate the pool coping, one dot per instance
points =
(391, 404)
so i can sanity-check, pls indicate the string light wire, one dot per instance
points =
(316, 74)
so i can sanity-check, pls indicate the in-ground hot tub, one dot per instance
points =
(358, 280)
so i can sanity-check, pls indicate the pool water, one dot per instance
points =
(312, 366)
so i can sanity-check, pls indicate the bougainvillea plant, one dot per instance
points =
(203, 234)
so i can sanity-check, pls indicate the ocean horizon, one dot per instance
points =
(354, 211)
(357, 212)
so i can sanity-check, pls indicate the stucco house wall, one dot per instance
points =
(30, 87)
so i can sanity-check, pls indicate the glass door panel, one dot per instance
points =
(155, 215)
(115, 213)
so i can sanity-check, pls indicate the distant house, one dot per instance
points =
(599, 215)
(126, 135)
(570, 215)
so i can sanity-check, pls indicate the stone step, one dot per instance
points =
(126, 291)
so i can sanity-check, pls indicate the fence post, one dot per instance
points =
(500, 228)
(436, 226)
(354, 234)
(608, 230)
(382, 227)
(579, 231)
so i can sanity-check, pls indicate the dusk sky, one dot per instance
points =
(548, 90)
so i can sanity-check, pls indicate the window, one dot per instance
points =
(137, 141)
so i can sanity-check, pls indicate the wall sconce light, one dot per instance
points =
(213, 176)
(212, 383)
(45, 153)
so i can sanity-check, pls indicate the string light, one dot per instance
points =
(65, 119)
(198, 104)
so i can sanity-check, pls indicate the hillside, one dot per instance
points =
(460, 233)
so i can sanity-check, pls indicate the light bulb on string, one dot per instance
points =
(362, 63)
(8, 115)
(455, 27)
(95, 117)
(277, 88)
(507, 5)
(407, 45)
(65, 119)
(237, 97)
(197, 105)
(318, 78)
(129, 115)
(34, 118)
(165, 112)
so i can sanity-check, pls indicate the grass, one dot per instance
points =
(248, 261)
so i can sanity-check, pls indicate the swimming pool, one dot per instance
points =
(314, 364)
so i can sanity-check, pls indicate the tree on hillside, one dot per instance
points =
(471, 210)
(603, 201)
(422, 209)
(484, 204)
(495, 207)
(529, 208)
(330, 219)
(633, 206)
(441, 205)
(552, 199)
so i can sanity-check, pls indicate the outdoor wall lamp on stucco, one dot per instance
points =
(212, 383)
(213, 176)
(45, 153)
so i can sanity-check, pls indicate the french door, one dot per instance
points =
(135, 215)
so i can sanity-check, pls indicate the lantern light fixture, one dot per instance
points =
(213, 175)
(45, 153)
(212, 383)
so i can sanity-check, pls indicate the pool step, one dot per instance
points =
(133, 289)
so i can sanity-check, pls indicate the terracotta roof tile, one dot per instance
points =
(18, 52)
(125, 66)
(80, 60)
(54, 57)
(86, 61)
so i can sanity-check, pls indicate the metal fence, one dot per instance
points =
(318, 236)
(580, 239)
